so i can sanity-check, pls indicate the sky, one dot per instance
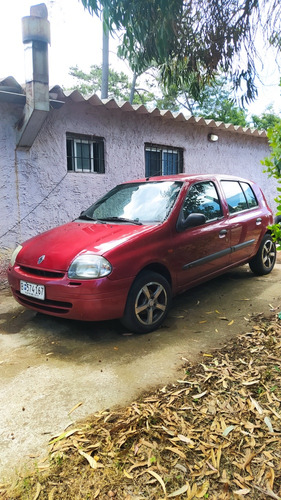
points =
(76, 39)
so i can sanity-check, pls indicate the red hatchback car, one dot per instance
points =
(142, 243)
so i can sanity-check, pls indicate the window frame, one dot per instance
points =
(221, 216)
(240, 183)
(243, 183)
(96, 153)
(176, 152)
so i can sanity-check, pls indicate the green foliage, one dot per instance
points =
(191, 40)
(273, 162)
(227, 112)
(216, 102)
(90, 83)
(273, 168)
(169, 99)
(267, 120)
(119, 86)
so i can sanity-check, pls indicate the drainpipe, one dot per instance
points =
(36, 37)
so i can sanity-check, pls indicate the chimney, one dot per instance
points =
(36, 37)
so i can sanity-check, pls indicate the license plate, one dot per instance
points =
(32, 290)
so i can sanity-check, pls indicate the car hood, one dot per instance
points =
(61, 245)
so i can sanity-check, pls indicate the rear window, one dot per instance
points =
(239, 196)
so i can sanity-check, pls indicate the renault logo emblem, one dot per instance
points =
(40, 260)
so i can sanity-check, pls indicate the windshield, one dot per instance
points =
(144, 202)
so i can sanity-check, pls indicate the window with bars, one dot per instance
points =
(85, 153)
(162, 160)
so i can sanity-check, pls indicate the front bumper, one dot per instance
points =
(87, 300)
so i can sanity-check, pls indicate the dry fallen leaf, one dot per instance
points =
(179, 492)
(267, 421)
(185, 439)
(38, 491)
(201, 395)
(93, 463)
(75, 407)
(227, 430)
(243, 491)
(154, 474)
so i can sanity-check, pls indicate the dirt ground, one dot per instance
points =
(50, 366)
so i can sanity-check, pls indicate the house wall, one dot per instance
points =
(38, 193)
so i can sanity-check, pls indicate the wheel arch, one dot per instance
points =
(157, 268)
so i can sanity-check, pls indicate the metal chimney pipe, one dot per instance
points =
(36, 37)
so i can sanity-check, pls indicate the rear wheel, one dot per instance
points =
(148, 303)
(264, 260)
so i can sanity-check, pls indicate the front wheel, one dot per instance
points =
(147, 303)
(264, 260)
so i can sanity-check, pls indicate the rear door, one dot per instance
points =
(203, 250)
(246, 223)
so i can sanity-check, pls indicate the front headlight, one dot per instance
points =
(89, 267)
(15, 254)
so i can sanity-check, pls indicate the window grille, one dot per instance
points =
(162, 160)
(85, 153)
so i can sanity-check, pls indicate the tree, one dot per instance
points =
(119, 86)
(267, 120)
(216, 101)
(190, 40)
(273, 168)
(105, 63)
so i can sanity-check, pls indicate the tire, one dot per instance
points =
(264, 260)
(148, 303)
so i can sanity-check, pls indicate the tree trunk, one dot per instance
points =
(105, 62)
(133, 88)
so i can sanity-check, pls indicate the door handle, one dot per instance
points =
(222, 233)
(258, 221)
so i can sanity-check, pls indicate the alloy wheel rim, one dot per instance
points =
(151, 303)
(268, 254)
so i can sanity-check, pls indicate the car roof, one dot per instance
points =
(191, 178)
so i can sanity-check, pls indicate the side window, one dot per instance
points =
(202, 198)
(235, 196)
(239, 196)
(250, 195)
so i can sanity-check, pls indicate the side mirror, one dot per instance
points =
(193, 220)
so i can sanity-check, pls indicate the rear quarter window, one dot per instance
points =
(239, 196)
(250, 195)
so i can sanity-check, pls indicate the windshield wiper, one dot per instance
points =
(86, 217)
(122, 219)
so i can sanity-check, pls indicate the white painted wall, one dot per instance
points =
(37, 193)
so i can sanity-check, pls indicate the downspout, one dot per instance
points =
(36, 37)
